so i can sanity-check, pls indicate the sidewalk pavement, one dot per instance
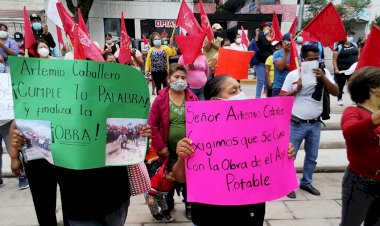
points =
(16, 207)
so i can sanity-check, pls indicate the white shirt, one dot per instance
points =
(240, 47)
(305, 107)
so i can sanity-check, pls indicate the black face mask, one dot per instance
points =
(216, 34)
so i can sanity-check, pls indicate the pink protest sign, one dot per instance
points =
(240, 151)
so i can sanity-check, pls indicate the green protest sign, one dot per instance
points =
(80, 114)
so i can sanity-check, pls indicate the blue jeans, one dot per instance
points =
(310, 132)
(260, 77)
(360, 200)
(199, 93)
(275, 92)
(116, 218)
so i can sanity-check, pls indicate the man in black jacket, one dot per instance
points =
(41, 33)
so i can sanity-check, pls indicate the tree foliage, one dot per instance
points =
(376, 21)
(83, 5)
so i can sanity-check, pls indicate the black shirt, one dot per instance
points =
(264, 48)
(38, 35)
(347, 56)
(91, 194)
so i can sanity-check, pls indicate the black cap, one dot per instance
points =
(18, 36)
(34, 16)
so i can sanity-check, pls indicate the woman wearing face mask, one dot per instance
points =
(263, 40)
(8, 46)
(157, 61)
(41, 32)
(110, 47)
(167, 119)
(345, 55)
(43, 50)
(360, 126)
(237, 45)
(219, 88)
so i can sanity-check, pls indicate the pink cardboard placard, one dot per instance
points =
(240, 151)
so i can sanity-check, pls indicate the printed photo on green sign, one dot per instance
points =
(80, 114)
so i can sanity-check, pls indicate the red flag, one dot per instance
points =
(78, 48)
(81, 23)
(125, 52)
(294, 56)
(145, 40)
(59, 34)
(328, 22)
(244, 37)
(191, 51)
(187, 21)
(29, 40)
(234, 63)
(205, 22)
(91, 51)
(276, 31)
(293, 28)
(370, 56)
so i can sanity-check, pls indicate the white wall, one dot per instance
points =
(137, 10)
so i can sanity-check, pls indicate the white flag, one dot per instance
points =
(52, 13)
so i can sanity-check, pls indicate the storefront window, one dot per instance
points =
(112, 26)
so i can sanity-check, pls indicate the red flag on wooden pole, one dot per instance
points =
(145, 40)
(125, 52)
(294, 56)
(81, 23)
(328, 22)
(187, 21)
(78, 48)
(59, 35)
(276, 31)
(191, 51)
(244, 37)
(205, 22)
(370, 54)
(293, 28)
(29, 40)
(90, 49)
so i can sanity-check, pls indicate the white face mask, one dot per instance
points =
(239, 96)
(109, 42)
(179, 85)
(350, 39)
(266, 31)
(44, 52)
(3, 34)
(238, 40)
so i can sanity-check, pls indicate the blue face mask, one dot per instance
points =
(2, 68)
(37, 26)
(157, 43)
(299, 40)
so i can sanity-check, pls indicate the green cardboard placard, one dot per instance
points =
(93, 110)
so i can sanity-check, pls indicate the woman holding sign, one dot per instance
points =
(167, 118)
(360, 126)
(219, 88)
(104, 204)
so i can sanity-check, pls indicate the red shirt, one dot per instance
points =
(362, 141)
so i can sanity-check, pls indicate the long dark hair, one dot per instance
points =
(214, 86)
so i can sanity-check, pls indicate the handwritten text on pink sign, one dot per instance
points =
(240, 151)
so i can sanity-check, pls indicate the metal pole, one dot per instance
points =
(300, 14)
